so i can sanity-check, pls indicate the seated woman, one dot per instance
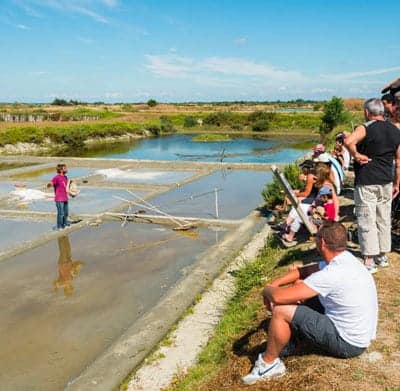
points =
(293, 221)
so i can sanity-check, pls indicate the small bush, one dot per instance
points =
(189, 122)
(237, 126)
(73, 139)
(166, 125)
(260, 115)
(219, 118)
(154, 129)
(261, 125)
(273, 193)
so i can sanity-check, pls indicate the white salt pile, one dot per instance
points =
(27, 195)
(116, 173)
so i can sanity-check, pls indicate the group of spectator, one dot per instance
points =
(332, 305)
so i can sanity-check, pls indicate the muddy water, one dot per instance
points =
(67, 301)
(239, 192)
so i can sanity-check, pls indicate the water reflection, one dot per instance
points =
(67, 268)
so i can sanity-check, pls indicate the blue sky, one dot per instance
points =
(130, 51)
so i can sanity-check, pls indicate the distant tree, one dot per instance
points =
(152, 103)
(333, 115)
(59, 102)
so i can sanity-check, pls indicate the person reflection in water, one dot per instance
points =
(67, 268)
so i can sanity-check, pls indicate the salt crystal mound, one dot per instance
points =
(116, 173)
(28, 195)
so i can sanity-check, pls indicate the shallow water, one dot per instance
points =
(181, 147)
(15, 231)
(238, 193)
(48, 173)
(89, 200)
(70, 299)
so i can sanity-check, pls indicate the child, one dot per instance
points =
(60, 185)
(327, 211)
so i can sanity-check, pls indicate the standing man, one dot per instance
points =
(374, 145)
(341, 320)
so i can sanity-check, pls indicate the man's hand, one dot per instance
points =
(395, 190)
(362, 159)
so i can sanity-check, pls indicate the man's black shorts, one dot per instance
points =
(318, 330)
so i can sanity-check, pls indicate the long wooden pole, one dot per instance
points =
(295, 203)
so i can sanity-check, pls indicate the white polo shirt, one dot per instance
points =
(347, 291)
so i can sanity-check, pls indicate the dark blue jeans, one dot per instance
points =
(62, 214)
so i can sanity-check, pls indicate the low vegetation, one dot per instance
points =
(211, 137)
(273, 193)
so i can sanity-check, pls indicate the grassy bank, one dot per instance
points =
(73, 134)
(241, 335)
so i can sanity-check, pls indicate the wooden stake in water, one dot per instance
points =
(216, 203)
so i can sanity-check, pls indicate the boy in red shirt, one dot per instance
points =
(60, 185)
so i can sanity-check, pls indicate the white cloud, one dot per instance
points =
(234, 76)
(22, 27)
(361, 74)
(72, 6)
(173, 66)
(240, 41)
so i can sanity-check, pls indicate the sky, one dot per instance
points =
(190, 50)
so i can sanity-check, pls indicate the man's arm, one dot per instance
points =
(351, 142)
(294, 276)
(396, 181)
(289, 295)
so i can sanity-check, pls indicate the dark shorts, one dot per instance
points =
(318, 330)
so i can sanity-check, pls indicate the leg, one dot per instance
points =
(365, 209)
(383, 219)
(60, 214)
(66, 222)
(279, 332)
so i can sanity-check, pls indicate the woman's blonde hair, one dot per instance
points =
(323, 173)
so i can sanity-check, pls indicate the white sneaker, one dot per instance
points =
(371, 268)
(263, 371)
(382, 261)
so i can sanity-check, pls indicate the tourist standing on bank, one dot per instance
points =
(374, 145)
(60, 185)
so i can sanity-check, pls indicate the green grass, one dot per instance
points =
(239, 316)
(211, 137)
(66, 134)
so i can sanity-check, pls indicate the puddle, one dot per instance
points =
(16, 231)
(89, 200)
(144, 176)
(239, 192)
(68, 300)
(47, 174)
